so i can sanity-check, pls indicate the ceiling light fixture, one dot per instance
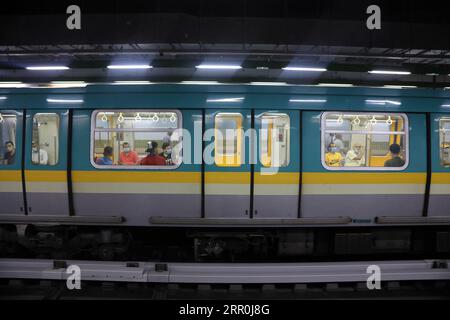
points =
(304, 69)
(389, 72)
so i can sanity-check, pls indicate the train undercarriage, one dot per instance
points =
(223, 244)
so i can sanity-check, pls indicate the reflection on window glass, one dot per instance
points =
(8, 138)
(228, 139)
(274, 140)
(444, 141)
(136, 138)
(364, 140)
(45, 140)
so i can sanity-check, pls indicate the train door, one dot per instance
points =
(46, 162)
(440, 165)
(227, 163)
(11, 193)
(276, 175)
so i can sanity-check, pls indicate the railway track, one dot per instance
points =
(47, 280)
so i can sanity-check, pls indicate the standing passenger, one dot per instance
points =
(167, 153)
(396, 161)
(38, 155)
(10, 154)
(152, 158)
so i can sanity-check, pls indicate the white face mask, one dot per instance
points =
(126, 149)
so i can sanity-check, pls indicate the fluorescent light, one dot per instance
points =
(432, 74)
(200, 82)
(12, 84)
(132, 82)
(268, 83)
(383, 102)
(389, 72)
(68, 84)
(393, 86)
(218, 66)
(445, 105)
(335, 85)
(65, 100)
(308, 100)
(3, 98)
(47, 68)
(262, 68)
(226, 100)
(129, 66)
(304, 69)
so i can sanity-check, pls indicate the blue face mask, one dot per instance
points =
(334, 149)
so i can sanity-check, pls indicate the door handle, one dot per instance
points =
(256, 212)
(246, 212)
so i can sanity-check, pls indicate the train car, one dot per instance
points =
(177, 171)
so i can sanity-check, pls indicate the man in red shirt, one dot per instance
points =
(128, 157)
(153, 159)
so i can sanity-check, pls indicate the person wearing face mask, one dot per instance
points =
(38, 156)
(152, 158)
(10, 154)
(167, 153)
(355, 156)
(127, 156)
(333, 157)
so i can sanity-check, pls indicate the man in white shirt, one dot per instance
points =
(39, 156)
(355, 156)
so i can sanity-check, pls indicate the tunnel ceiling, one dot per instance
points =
(261, 36)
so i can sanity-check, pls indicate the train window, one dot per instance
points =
(8, 138)
(274, 140)
(364, 141)
(45, 140)
(136, 139)
(228, 139)
(444, 141)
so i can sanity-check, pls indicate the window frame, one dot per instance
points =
(128, 167)
(442, 119)
(288, 151)
(58, 116)
(8, 113)
(404, 116)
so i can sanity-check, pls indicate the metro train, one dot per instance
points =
(220, 172)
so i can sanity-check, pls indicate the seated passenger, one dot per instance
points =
(127, 156)
(396, 161)
(38, 155)
(167, 153)
(355, 156)
(333, 158)
(106, 160)
(152, 158)
(10, 154)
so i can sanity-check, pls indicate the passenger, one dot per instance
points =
(338, 142)
(106, 160)
(396, 161)
(38, 156)
(152, 158)
(355, 156)
(10, 154)
(167, 153)
(333, 157)
(127, 156)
